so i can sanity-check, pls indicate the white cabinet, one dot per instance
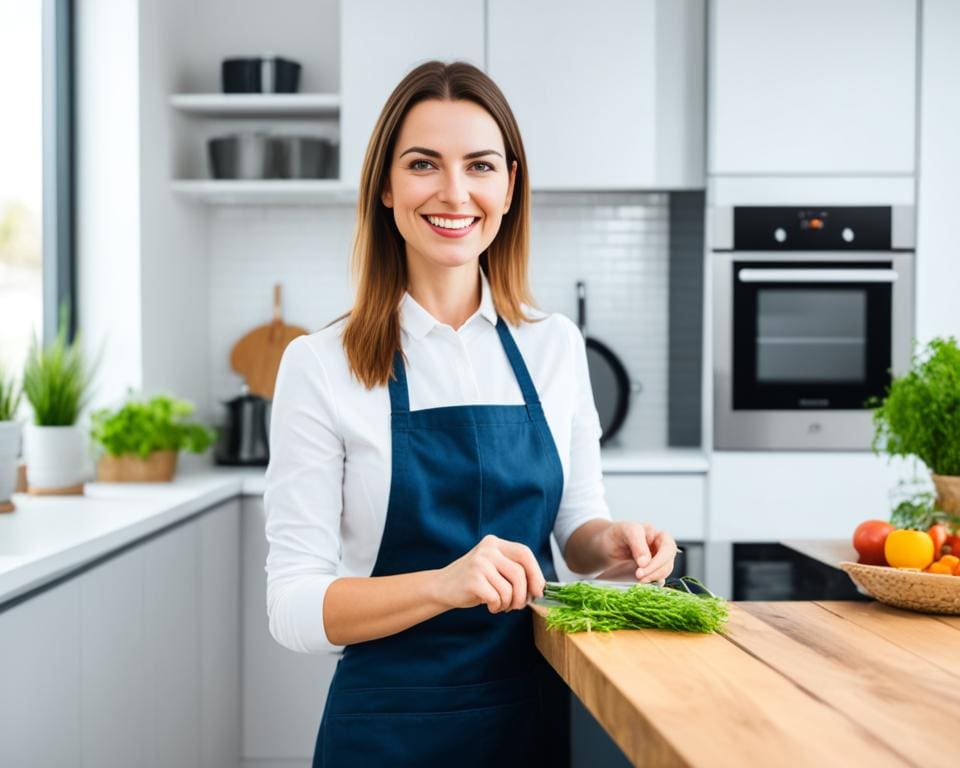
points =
(172, 648)
(283, 691)
(219, 551)
(818, 87)
(40, 680)
(113, 667)
(133, 662)
(608, 95)
(380, 42)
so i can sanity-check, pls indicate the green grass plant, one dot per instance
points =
(56, 379)
(10, 395)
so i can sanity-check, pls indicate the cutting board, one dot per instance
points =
(257, 355)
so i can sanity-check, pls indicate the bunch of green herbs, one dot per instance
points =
(140, 428)
(919, 511)
(593, 608)
(920, 416)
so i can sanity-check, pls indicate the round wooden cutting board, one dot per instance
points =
(257, 355)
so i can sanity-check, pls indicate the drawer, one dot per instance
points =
(673, 502)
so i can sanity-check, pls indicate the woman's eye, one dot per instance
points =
(482, 162)
(415, 165)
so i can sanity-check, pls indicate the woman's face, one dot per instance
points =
(448, 166)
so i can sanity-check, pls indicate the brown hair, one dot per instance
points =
(372, 332)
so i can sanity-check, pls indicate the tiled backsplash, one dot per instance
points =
(617, 242)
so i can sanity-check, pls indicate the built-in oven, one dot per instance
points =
(812, 311)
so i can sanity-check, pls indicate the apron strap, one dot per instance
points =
(399, 394)
(529, 391)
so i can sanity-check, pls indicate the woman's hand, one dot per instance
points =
(497, 572)
(638, 550)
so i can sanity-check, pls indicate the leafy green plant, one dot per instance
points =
(56, 379)
(9, 396)
(919, 512)
(920, 416)
(144, 427)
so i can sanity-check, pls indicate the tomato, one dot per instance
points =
(938, 532)
(869, 539)
(952, 544)
(908, 549)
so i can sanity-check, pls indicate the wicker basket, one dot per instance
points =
(913, 590)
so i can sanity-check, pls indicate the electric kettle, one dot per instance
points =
(245, 437)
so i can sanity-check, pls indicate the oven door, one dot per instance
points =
(802, 341)
(811, 335)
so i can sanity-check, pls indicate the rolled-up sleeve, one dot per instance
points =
(583, 493)
(303, 500)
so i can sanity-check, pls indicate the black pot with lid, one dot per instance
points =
(245, 437)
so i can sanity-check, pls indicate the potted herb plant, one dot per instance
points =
(10, 396)
(920, 416)
(56, 382)
(140, 441)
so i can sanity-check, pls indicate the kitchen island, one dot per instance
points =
(787, 683)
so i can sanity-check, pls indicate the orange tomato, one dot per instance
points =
(951, 560)
(938, 532)
(908, 549)
(939, 567)
(868, 540)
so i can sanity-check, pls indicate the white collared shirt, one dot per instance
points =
(328, 481)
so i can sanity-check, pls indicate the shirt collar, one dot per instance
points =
(417, 322)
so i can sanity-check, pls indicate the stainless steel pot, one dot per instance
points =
(240, 156)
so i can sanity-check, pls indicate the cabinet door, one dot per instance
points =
(283, 692)
(219, 533)
(381, 42)
(113, 700)
(172, 648)
(608, 95)
(40, 680)
(817, 87)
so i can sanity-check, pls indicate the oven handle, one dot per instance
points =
(748, 275)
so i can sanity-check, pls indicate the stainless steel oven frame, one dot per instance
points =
(807, 429)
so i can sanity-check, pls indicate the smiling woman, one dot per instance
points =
(424, 448)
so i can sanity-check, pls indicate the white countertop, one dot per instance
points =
(48, 536)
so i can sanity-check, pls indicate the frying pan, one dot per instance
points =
(608, 377)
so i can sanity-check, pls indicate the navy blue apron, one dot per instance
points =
(465, 688)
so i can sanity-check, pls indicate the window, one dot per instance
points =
(36, 174)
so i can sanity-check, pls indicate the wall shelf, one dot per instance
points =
(258, 104)
(266, 191)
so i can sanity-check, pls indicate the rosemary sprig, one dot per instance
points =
(590, 608)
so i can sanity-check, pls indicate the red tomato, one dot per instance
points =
(938, 532)
(869, 539)
(953, 544)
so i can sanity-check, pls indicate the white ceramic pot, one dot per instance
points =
(56, 458)
(9, 455)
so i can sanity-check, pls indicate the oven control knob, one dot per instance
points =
(847, 235)
(779, 234)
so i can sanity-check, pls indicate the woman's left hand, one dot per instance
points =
(638, 550)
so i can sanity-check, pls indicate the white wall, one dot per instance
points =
(938, 237)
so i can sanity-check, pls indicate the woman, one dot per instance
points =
(426, 444)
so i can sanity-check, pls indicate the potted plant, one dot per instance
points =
(140, 441)
(9, 439)
(56, 382)
(920, 416)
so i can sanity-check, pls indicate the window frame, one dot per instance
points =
(59, 166)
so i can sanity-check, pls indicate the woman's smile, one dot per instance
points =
(451, 226)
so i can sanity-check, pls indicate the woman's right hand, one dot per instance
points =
(496, 572)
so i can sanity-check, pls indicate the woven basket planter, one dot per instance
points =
(948, 493)
(158, 467)
(907, 588)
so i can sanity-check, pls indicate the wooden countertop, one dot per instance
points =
(788, 683)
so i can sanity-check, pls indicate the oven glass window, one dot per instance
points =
(811, 335)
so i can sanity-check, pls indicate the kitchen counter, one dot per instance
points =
(48, 536)
(788, 683)
(830, 552)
